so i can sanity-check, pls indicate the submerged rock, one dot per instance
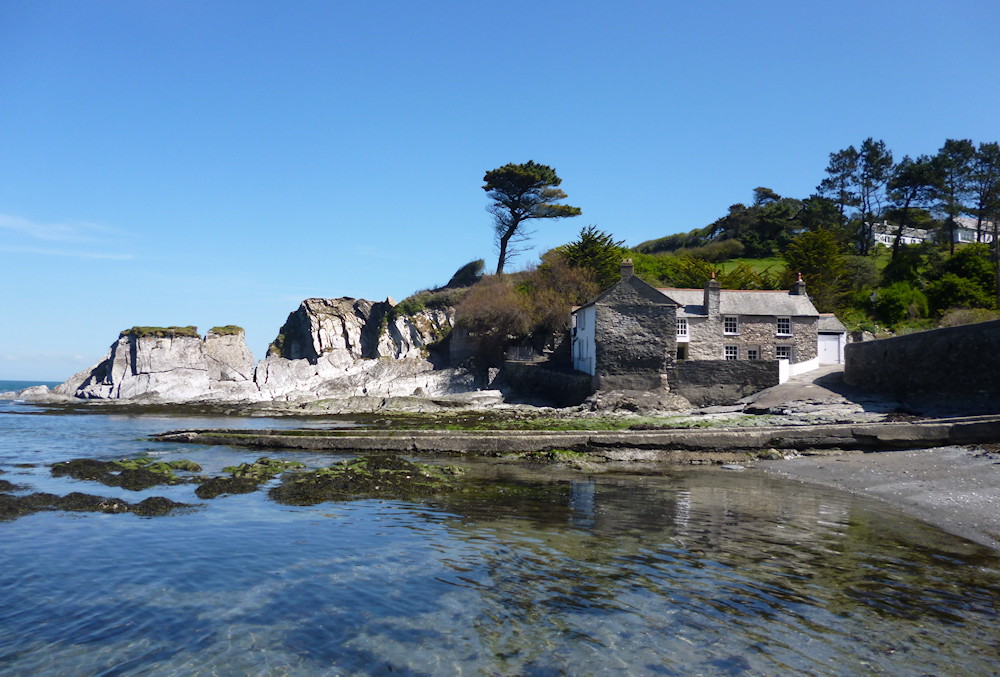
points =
(245, 478)
(381, 476)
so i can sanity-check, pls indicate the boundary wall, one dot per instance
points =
(949, 366)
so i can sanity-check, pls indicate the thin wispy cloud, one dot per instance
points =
(82, 240)
(79, 254)
(56, 232)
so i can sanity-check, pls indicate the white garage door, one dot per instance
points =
(829, 349)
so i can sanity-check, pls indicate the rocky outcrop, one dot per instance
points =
(172, 368)
(327, 348)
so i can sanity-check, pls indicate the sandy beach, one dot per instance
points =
(954, 488)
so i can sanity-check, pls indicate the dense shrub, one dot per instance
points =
(899, 302)
(951, 291)
(467, 275)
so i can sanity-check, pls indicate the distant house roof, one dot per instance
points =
(829, 324)
(690, 303)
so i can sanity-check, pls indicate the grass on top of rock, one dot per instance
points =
(161, 332)
(227, 330)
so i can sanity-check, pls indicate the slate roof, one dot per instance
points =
(690, 303)
(829, 323)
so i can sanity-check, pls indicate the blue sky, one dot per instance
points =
(211, 163)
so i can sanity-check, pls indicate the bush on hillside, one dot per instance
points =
(898, 303)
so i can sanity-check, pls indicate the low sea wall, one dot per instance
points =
(711, 382)
(953, 366)
(533, 382)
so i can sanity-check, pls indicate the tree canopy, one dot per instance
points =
(521, 193)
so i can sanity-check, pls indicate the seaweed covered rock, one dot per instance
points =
(245, 477)
(380, 476)
(7, 486)
(217, 486)
(134, 474)
(12, 507)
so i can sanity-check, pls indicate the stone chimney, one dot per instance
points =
(713, 294)
(799, 288)
(628, 269)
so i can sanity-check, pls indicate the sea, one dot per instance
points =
(553, 571)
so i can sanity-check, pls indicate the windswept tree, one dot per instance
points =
(520, 193)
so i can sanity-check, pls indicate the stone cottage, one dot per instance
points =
(633, 335)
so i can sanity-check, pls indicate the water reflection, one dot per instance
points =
(537, 572)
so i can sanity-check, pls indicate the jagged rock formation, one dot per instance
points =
(337, 348)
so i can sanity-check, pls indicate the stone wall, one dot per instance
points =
(711, 382)
(955, 366)
(705, 342)
(534, 383)
(636, 342)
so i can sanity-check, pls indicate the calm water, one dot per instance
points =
(699, 572)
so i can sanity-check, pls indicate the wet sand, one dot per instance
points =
(954, 488)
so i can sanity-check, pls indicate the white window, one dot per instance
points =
(730, 325)
(682, 327)
(732, 352)
(783, 352)
(753, 353)
(784, 326)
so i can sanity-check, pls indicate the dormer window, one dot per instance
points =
(730, 324)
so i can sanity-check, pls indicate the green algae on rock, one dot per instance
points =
(377, 476)
(133, 474)
(245, 477)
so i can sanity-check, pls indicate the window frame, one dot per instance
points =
(736, 325)
(753, 353)
(685, 333)
(778, 323)
(731, 353)
(788, 349)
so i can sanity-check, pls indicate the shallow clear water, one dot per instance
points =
(697, 572)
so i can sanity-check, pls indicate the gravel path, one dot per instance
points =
(954, 488)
